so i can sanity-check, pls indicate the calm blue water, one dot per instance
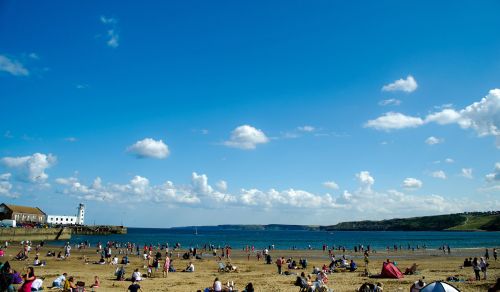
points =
(299, 239)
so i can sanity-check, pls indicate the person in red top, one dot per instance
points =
(279, 264)
(28, 278)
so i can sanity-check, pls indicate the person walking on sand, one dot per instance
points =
(483, 265)
(166, 266)
(476, 268)
(495, 254)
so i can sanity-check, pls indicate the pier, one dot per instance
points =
(97, 229)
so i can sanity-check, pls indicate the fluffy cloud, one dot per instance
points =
(30, 168)
(6, 186)
(449, 160)
(482, 116)
(391, 101)
(444, 117)
(366, 182)
(246, 137)
(495, 175)
(439, 174)
(221, 185)
(12, 66)
(331, 185)
(112, 34)
(407, 85)
(412, 183)
(467, 172)
(149, 148)
(433, 140)
(394, 121)
(198, 193)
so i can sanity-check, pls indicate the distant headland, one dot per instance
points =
(468, 221)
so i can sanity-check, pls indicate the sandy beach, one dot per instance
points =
(432, 264)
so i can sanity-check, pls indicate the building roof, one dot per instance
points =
(25, 209)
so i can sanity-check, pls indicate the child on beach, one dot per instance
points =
(96, 283)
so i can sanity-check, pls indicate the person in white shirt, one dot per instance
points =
(417, 286)
(189, 268)
(217, 285)
(137, 275)
(59, 281)
(37, 284)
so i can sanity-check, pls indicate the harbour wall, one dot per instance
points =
(34, 234)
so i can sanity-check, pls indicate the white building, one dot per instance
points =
(68, 220)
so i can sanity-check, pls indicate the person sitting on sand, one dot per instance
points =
(120, 273)
(322, 277)
(352, 266)
(301, 281)
(28, 278)
(97, 283)
(418, 285)
(114, 261)
(37, 262)
(69, 285)
(189, 268)
(411, 270)
(315, 270)
(249, 288)
(137, 275)
(467, 263)
(231, 268)
(102, 261)
(217, 286)
(59, 281)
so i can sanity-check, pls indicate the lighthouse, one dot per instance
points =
(81, 214)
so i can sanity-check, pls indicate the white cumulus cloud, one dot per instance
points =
(331, 185)
(495, 175)
(149, 148)
(30, 168)
(246, 137)
(407, 85)
(6, 186)
(467, 172)
(433, 140)
(439, 174)
(412, 183)
(394, 121)
(12, 66)
(482, 116)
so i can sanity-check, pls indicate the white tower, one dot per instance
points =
(81, 214)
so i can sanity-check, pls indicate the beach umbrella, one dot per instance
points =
(439, 286)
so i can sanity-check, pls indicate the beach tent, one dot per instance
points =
(389, 270)
(439, 287)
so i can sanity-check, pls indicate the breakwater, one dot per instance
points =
(98, 230)
(34, 234)
(57, 233)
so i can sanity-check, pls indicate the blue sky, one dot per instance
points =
(178, 113)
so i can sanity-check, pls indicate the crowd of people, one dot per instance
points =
(161, 257)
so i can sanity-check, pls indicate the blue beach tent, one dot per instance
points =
(439, 286)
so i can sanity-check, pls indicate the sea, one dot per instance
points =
(296, 239)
